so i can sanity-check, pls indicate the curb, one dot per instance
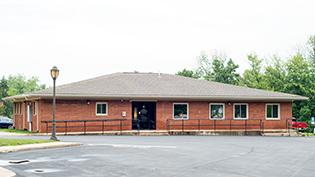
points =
(6, 173)
(7, 149)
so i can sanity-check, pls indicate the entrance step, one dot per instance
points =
(290, 132)
(216, 133)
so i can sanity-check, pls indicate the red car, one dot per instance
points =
(299, 125)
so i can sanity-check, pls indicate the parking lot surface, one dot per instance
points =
(144, 156)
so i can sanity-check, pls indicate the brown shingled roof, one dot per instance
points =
(158, 87)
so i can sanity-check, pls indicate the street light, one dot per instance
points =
(54, 72)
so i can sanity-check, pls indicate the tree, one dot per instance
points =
(204, 68)
(311, 47)
(300, 81)
(275, 75)
(15, 85)
(232, 77)
(188, 73)
(217, 69)
(20, 84)
(4, 93)
(253, 77)
(224, 72)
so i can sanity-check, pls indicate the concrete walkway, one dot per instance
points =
(6, 149)
(6, 173)
(13, 134)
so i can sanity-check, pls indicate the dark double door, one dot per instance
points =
(143, 115)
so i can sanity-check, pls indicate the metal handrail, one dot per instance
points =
(65, 125)
(85, 120)
(247, 124)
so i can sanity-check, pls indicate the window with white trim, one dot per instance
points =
(217, 111)
(180, 111)
(17, 108)
(272, 111)
(101, 109)
(35, 108)
(240, 111)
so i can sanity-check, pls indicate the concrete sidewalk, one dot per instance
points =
(6, 173)
(6, 149)
(13, 134)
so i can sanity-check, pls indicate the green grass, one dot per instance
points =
(14, 131)
(308, 134)
(15, 142)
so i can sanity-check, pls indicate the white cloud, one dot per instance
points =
(90, 38)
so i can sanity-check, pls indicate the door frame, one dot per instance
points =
(133, 112)
(29, 116)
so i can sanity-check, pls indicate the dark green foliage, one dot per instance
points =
(188, 73)
(275, 75)
(253, 76)
(295, 75)
(15, 85)
(311, 47)
(218, 69)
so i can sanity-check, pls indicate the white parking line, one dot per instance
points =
(133, 146)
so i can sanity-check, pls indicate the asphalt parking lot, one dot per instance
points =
(137, 156)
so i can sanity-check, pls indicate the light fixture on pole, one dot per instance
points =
(54, 72)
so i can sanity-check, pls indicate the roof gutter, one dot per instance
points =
(153, 97)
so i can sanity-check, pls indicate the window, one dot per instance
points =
(272, 111)
(101, 109)
(217, 111)
(35, 108)
(180, 111)
(240, 111)
(17, 108)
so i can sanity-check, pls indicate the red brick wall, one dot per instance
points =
(200, 110)
(20, 120)
(79, 109)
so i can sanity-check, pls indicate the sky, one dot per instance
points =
(85, 39)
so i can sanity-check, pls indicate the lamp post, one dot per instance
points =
(54, 72)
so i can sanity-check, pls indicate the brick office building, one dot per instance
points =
(151, 101)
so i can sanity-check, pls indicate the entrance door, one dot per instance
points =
(143, 115)
(29, 117)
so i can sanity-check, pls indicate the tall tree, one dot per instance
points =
(204, 68)
(188, 73)
(20, 84)
(253, 77)
(217, 69)
(15, 85)
(311, 47)
(275, 75)
(224, 72)
(300, 80)
(4, 107)
(232, 76)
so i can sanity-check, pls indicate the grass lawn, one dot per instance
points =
(14, 131)
(15, 142)
(308, 134)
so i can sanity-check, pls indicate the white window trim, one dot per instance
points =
(36, 108)
(271, 118)
(97, 103)
(187, 111)
(17, 108)
(223, 104)
(239, 118)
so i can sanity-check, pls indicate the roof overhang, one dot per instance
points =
(226, 98)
